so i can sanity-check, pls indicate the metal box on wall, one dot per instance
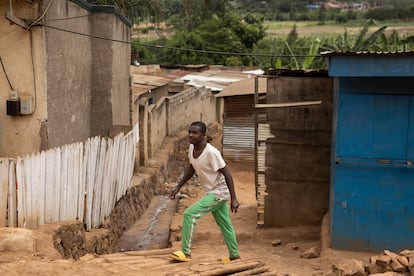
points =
(13, 107)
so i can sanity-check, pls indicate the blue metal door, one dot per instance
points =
(373, 178)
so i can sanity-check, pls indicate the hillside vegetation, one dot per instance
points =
(258, 33)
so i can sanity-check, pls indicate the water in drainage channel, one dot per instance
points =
(152, 230)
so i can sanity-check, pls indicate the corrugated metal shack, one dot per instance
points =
(239, 119)
(372, 172)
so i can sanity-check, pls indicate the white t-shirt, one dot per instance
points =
(207, 167)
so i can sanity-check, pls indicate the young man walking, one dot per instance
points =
(206, 161)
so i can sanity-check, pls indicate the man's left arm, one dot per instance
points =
(230, 184)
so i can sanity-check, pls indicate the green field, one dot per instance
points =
(312, 28)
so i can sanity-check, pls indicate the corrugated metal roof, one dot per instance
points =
(216, 80)
(208, 84)
(143, 83)
(150, 69)
(138, 90)
(366, 53)
(244, 87)
(297, 73)
(150, 80)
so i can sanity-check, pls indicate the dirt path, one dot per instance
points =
(255, 245)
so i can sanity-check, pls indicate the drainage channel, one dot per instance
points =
(152, 230)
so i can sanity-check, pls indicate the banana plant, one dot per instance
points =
(307, 62)
(361, 43)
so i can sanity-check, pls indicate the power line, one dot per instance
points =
(5, 73)
(158, 46)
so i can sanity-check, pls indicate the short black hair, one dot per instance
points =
(202, 126)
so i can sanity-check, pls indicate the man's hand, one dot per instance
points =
(234, 205)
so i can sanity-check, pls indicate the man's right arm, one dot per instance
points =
(188, 173)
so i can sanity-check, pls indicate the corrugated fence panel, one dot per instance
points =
(238, 139)
(239, 106)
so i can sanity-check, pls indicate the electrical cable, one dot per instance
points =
(33, 70)
(5, 73)
(171, 47)
(43, 14)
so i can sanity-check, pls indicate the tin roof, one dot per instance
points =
(142, 83)
(365, 53)
(370, 64)
(150, 69)
(244, 87)
(216, 80)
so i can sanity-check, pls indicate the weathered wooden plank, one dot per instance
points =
(81, 183)
(97, 190)
(107, 181)
(63, 184)
(292, 104)
(28, 192)
(50, 190)
(42, 188)
(128, 157)
(57, 184)
(34, 183)
(71, 197)
(4, 188)
(121, 165)
(93, 152)
(114, 170)
(20, 198)
(87, 160)
(12, 220)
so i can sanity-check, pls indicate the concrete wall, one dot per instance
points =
(298, 157)
(157, 126)
(169, 116)
(23, 55)
(80, 85)
(68, 74)
(110, 91)
(193, 104)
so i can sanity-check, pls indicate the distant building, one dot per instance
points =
(313, 7)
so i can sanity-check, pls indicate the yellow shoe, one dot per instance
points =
(180, 256)
(229, 259)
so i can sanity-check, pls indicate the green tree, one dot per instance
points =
(218, 34)
(175, 54)
(292, 36)
(322, 15)
(195, 12)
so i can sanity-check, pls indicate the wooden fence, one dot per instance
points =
(80, 181)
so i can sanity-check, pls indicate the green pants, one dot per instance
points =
(220, 210)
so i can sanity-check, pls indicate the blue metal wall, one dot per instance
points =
(372, 175)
